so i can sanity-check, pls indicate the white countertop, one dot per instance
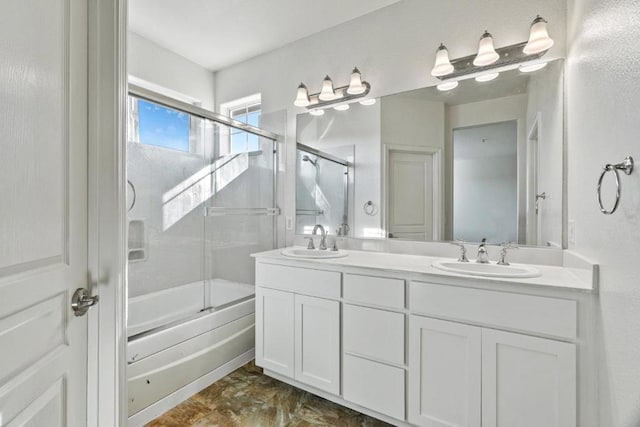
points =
(551, 276)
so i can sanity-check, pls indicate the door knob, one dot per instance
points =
(81, 301)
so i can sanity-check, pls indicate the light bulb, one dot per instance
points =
(532, 67)
(327, 93)
(316, 112)
(447, 85)
(539, 39)
(487, 77)
(486, 52)
(443, 66)
(341, 107)
(355, 85)
(368, 101)
(302, 99)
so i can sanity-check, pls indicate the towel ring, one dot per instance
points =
(370, 208)
(627, 166)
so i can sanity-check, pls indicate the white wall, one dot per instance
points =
(159, 66)
(603, 111)
(393, 47)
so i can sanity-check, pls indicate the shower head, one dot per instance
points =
(306, 158)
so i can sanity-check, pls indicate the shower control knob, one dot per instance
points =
(81, 301)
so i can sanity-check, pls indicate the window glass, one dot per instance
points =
(162, 127)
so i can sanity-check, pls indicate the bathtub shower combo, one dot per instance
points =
(201, 199)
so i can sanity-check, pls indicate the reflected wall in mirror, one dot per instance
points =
(484, 160)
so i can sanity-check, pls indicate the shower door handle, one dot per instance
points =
(81, 301)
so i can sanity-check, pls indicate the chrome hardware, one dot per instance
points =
(133, 190)
(310, 246)
(627, 167)
(221, 211)
(542, 196)
(309, 212)
(323, 236)
(483, 256)
(463, 250)
(370, 208)
(81, 302)
(343, 230)
(503, 252)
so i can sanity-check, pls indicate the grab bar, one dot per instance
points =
(222, 211)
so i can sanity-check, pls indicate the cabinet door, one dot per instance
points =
(274, 331)
(444, 373)
(527, 381)
(317, 343)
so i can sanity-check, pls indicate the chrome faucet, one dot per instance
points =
(463, 251)
(503, 253)
(323, 236)
(483, 256)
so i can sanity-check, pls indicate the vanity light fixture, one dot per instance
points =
(355, 85)
(330, 95)
(490, 59)
(341, 107)
(530, 68)
(447, 85)
(317, 112)
(302, 99)
(327, 93)
(539, 40)
(368, 102)
(487, 54)
(487, 77)
(443, 66)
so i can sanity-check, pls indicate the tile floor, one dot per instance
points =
(246, 398)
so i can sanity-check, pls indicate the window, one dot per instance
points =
(157, 125)
(246, 110)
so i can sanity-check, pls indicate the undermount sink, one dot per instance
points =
(487, 270)
(313, 253)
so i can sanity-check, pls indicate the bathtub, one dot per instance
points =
(176, 349)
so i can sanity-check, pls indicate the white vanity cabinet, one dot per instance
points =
(298, 324)
(410, 352)
(471, 376)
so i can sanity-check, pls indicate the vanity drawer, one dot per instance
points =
(524, 313)
(373, 333)
(380, 291)
(305, 281)
(375, 386)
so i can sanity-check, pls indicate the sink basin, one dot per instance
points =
(313, 253)
(487, 270)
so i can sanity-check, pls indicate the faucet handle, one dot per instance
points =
(463, 250)
(310, 246)
(503, 252)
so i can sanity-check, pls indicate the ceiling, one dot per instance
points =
(219, 33)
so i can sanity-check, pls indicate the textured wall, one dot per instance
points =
(603, 93)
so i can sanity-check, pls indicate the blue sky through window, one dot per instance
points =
(163, 127)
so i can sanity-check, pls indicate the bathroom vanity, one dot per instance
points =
(394, 337)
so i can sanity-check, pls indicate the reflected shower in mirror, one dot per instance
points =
(322, 190)
(482, 160)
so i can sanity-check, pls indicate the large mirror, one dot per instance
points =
(481, 161)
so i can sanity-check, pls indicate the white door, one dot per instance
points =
(274, 331)
(527, 381)
(43, 212)
(317, 343)
(410, 190)
(445, 364)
